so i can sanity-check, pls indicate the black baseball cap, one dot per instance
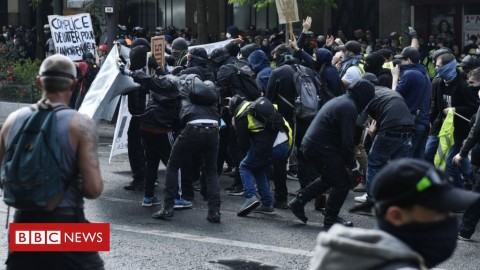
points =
(411, 181)
(409, 52)
(352, 45)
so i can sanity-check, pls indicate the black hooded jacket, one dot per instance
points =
(161, 113)
(227, 82)
(461, 98)
(332, 130)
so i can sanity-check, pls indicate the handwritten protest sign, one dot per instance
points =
(158, 50)
(72, 35)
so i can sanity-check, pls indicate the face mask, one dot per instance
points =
(447, 72)
(228, 35)
(176, 55)
(435, 241)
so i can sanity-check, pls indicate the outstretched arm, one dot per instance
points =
(85, 138)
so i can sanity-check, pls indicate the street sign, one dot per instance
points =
(108, 9)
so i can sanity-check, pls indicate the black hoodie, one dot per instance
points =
(333, 128)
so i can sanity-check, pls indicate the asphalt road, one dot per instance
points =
(189, 241)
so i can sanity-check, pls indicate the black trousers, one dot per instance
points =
(192, 140)
(53, 260)
(333, 174)
(471, 217)
(157, 148)
(236, 154)
(136, 155)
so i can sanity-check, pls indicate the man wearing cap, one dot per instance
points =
(411, 81)
(415, 227)
(78, 139)
(328, 150)
(352, 64)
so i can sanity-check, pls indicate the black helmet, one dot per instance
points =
(88, 56)
(219, 55)
(180, 44)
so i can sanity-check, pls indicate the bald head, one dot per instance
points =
(57, 73)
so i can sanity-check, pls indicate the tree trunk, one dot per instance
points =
(202, 27)
(40, 21)
(57, 7)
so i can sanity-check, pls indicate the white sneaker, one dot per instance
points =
(361, 199)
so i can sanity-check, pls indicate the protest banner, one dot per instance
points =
(120, 137)
(72, 35)
(103, 95)
(158, 50)
(211, 46)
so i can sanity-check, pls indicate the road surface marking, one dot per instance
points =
(211, 240)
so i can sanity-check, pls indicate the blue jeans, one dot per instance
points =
(254, 167)
(458, 173)
(419, 141)
(384, 149)
(431, 148)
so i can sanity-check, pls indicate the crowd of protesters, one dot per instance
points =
(376, 101)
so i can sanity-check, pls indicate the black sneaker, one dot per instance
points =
(238, 191)
(280, 205)
(214, 217)
(264, 209)
(134, 186)
(328, 223)
(165, 213)
(248, 206)
(232, 187)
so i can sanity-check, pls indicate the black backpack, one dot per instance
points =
(307, 102)
(247, 79)
(264, 111)
(31, 175)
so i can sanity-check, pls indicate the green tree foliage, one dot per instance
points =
(302, 4)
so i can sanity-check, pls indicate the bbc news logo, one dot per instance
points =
(59, 237)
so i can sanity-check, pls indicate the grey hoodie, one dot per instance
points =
(354, 248)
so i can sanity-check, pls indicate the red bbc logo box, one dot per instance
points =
(59, 237)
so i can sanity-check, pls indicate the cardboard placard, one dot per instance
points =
(287, 11)
(158, 50)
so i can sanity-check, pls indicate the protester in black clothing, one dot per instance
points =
(472, 214)
(393, 129)
(229, 85)
(196, 64)
(450, 91)
(374, 64)
(328, 148)
(281, 91)
(198, 112)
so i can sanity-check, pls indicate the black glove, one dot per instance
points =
(356, 176)
(124, 70)
(177, 70)
(139, 76)
(152, 63)
(412, 33)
